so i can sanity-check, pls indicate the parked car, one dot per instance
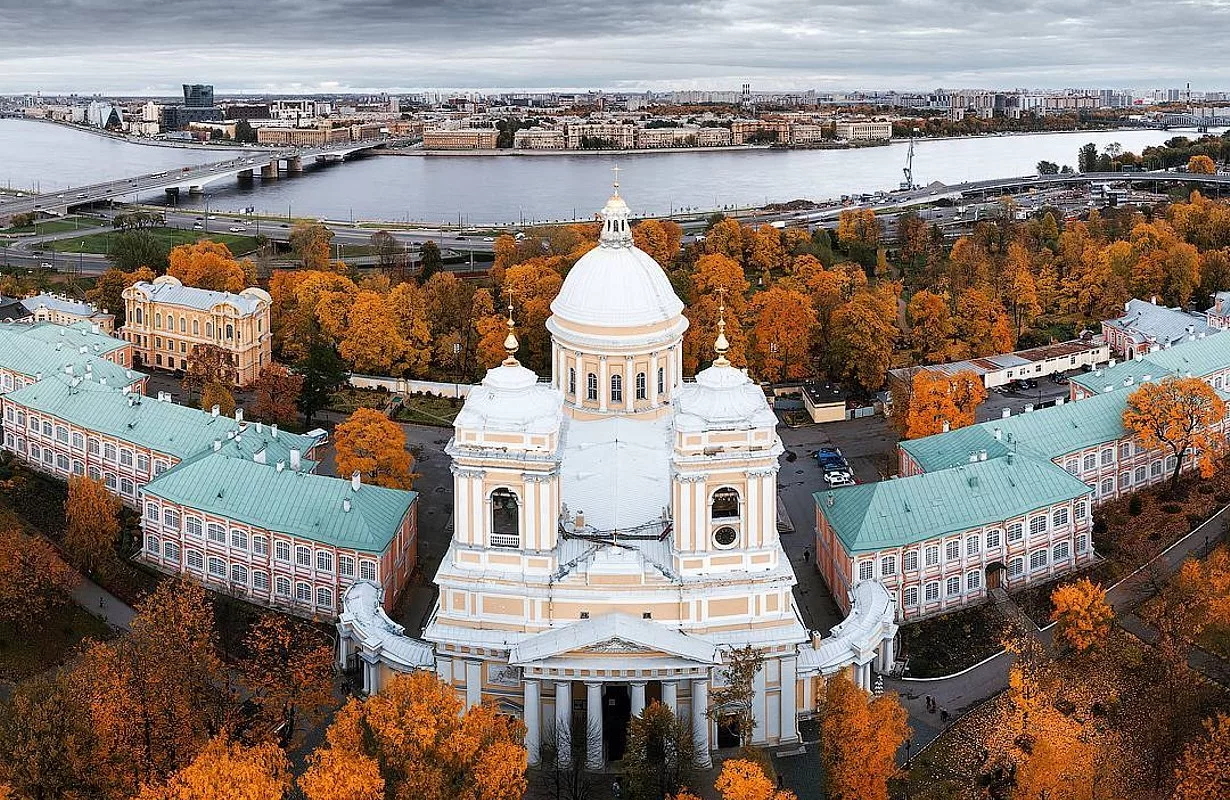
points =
(835, 479)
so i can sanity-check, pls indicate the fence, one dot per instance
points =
(409, 386)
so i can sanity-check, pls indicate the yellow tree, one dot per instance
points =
(289, 671)
(409, 306)
(783, 321)
(530, 287)
(1060, 764)
(47, 750)
(1081, 614)
(373, 445)
(210, 265)
(659, 238)
(312, 242)
(765, 252)
(982, 324)
(1204, 770)
(866, 328)
(858, 228)
(1176, 414)
(217, 394)
(726, 239)
(860, 737)
(425, 745)
(931, 327)
(93, 524)
(936, 399)
(1202, 165)
(33, 579)
(372, 341)
(228, 771)
(741, 779)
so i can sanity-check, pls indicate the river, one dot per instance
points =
(488, 189)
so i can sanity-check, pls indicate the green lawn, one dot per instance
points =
(429, 410)
(57, 226)
(27, 653)
(345, 401)
(101, 242)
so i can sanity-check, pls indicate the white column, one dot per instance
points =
(890, 649)
(683, 516)
(532, 713)
(343, 650)
(444, 669)
(652, 377)
(529, 513)
(474, 683)
(369, 677)
(789, 702)
(629, 385)
(593, 726)
(604, 384)
(563, 723)
(670, 696)
(700, 507)
(638, 698)
(700, 722)
(760, 733)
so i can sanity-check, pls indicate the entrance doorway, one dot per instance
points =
(616, 711)
(995, 574)
(727, 731)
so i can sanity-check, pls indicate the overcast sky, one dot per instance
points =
(151, 46)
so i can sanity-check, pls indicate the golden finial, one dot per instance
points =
(510, 341)
(721, 345)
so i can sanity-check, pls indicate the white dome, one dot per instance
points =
(722, 398)
(616, 284)
(510, 398)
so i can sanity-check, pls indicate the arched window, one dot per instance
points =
(157, 320)
(642, 390)
(505, 519)
(209, 330)
(140, 317)
(572, 380)
(725, 504)
(591, 386)
(661, 380)
(617, 388)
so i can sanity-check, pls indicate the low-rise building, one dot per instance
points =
(540, 139)
(864, 130)
(802, 133)
(1146, 325)
(745, 131)
(64, 310)
(713, 137)
(460, 139)
(1000, 370)
(301, 137)
(31, 351)
(593, 135)
(824, 402)
(166, 320)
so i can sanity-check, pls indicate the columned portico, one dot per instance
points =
(638, 698)
(533, 723)
(563, 723)
(700, 722)
(593, 726)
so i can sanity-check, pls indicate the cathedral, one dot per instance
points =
(615, 535)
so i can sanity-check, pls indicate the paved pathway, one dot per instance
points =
(102, 604)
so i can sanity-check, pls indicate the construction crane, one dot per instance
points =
(908, 184)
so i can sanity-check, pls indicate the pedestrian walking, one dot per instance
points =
(806, 555)
(944, 715)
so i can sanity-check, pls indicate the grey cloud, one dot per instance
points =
(272, 45)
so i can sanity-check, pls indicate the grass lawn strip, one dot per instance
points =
(100, 243)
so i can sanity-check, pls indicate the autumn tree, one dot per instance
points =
(289, 672)
(734, 698)
(982, 324)
(531, 287)
(228, 771)
(368, 332)
(312, 243)
(764, 252)
(1059, 763)
(741, 779)
(931, 327)
(210, 265)
(208, 363)
(1176, 415)
(782, 326)
(46, 743)
(108, 291)
(660, 753)
(858, 231)
(1204, 769)
(155, 696)
(373, 445)
(277, 393)
(860, 737)
(939, 402)
(725, 239)
(417, 735)
(93, 523)
(33, 580)
(408, 305)
(217, 394)
(1081, 614)
(659, 238)
(1202, 165)
(866, 330)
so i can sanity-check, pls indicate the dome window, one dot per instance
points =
(505, 519)
(642, 391)
(617, 388)
(725, 504)
(725, 537)
(591, 387)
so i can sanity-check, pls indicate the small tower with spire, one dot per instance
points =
(510, 341)
(616, 219)
(721, 344)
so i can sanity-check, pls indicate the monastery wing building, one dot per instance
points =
(615, 534)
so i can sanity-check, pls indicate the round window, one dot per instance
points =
(725, 537)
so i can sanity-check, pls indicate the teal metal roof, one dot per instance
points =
(1197, 358)
(77, 335)
(297, 503)
(903, 511)
(1047, 433)
(164, 427)
(39, 349)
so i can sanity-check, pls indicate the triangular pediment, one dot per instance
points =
(613, 634)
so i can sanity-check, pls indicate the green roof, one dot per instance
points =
(903, 511)
(164, 427)
(40, 349)
(1197, 358)
(1046, 433)
(285, 501)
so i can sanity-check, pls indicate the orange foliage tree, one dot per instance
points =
(783, 321)
(210, 265)
(277, 392)
(530, 287)
(1204, 769)
(417, 734)
(935, 399)
(93, 523)
(741, 779)
(289, 672)
(46, 745)
(1176, 414)
(33, 579)
(1081, 614)
(860, 737)
(931, 327)
(228, 771)
(373, 445)
(1201, 165)
(866, 328)
(217, 394)
(659, 238)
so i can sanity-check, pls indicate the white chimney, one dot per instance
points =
(982, 455)
(999, 434)
(273, 430)
(259, 457)
(294, 459)
(1005, 413)
(346, 505)
(281, 465)
(946, 426)
(239, 415)
(217, 445)
(1029, 407)
(973, 457)
(213, 412)
(102, 381)
(356, 481)
(259, 427)
(1059, 401)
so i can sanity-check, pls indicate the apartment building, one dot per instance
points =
(540, 139)
(864, 130)
(611, 134)
(742, 130)
(302, 137)
(460, 139)
(31, 351)
(166, 320)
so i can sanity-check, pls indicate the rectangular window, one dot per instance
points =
(239, 539)
(281, 551)
(170, 519)
(78, 441)
(952, 550)
(282, 585)
(367, 570)
(217, 567)
(260, 581)
(953, 587)
(303, 556)
(932, 592)
(1037, 560)
(910, 597)
(888, 565)
(151, 511)
(324, 598)
(216, 532)
(260, 545)
(993, 539)
(345, 566)
(866, 570)
(1060, 552)
(62, 434)
(932, 555)
(910, 561)
(1108, 456)
(973, 581)
(142, 463)
(973, 545)
(1079, 510)
(1060, 518)
(303, 593)
(1082, 543)
(324, 561)
(1125, 450)
(239, 574)
(125, 458)
(1015, 567)
(109, 452)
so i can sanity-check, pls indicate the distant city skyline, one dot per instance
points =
(118, 48)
